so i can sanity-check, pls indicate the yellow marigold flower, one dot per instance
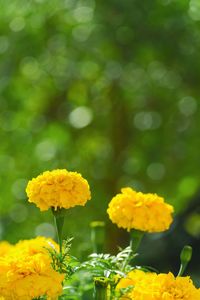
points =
(5, 247)
(145, 212)
(26, 272)
(58, 189)
(152, 286)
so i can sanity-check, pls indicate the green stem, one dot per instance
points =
(135, 239)
(59, 222)
(97, 236)
(101, 288)
(182, 269)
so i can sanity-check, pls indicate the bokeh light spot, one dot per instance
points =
(30, 68)
(187, 106)
(132, 166)
(194, 10)
(157, 70)
(19, 213)
(147, 120)
(18, 188)
(81, 117)
(46, 150)
(192, 225)
(188, 186)
(45, 229)
(17, 24)
(89, 69)
(83, 14)
(82, 32)
(156, 171)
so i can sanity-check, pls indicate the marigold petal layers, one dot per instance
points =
(152, 286)
(26, 272)
(135, 210)
(59, 189)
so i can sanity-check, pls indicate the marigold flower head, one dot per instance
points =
(26, 272)
(152, 286)
(135, 210)
(58, 189)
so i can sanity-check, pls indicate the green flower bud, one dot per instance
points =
(186, 254)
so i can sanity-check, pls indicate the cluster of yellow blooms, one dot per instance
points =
(145, 212)
(152, 286)
(26, 272)
(58, 189)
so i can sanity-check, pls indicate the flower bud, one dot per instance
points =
(186, 254)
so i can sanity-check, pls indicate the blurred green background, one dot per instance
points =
(109, 89)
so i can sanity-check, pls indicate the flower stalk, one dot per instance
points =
(101, 288)
(59, 222)
(135, 239)
(97, 236)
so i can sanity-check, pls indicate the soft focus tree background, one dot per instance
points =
(110, 89)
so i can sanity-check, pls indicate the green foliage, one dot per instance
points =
(106, 88)
(63, 263)
(109, 267)
(106, 265)
(79, 286)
